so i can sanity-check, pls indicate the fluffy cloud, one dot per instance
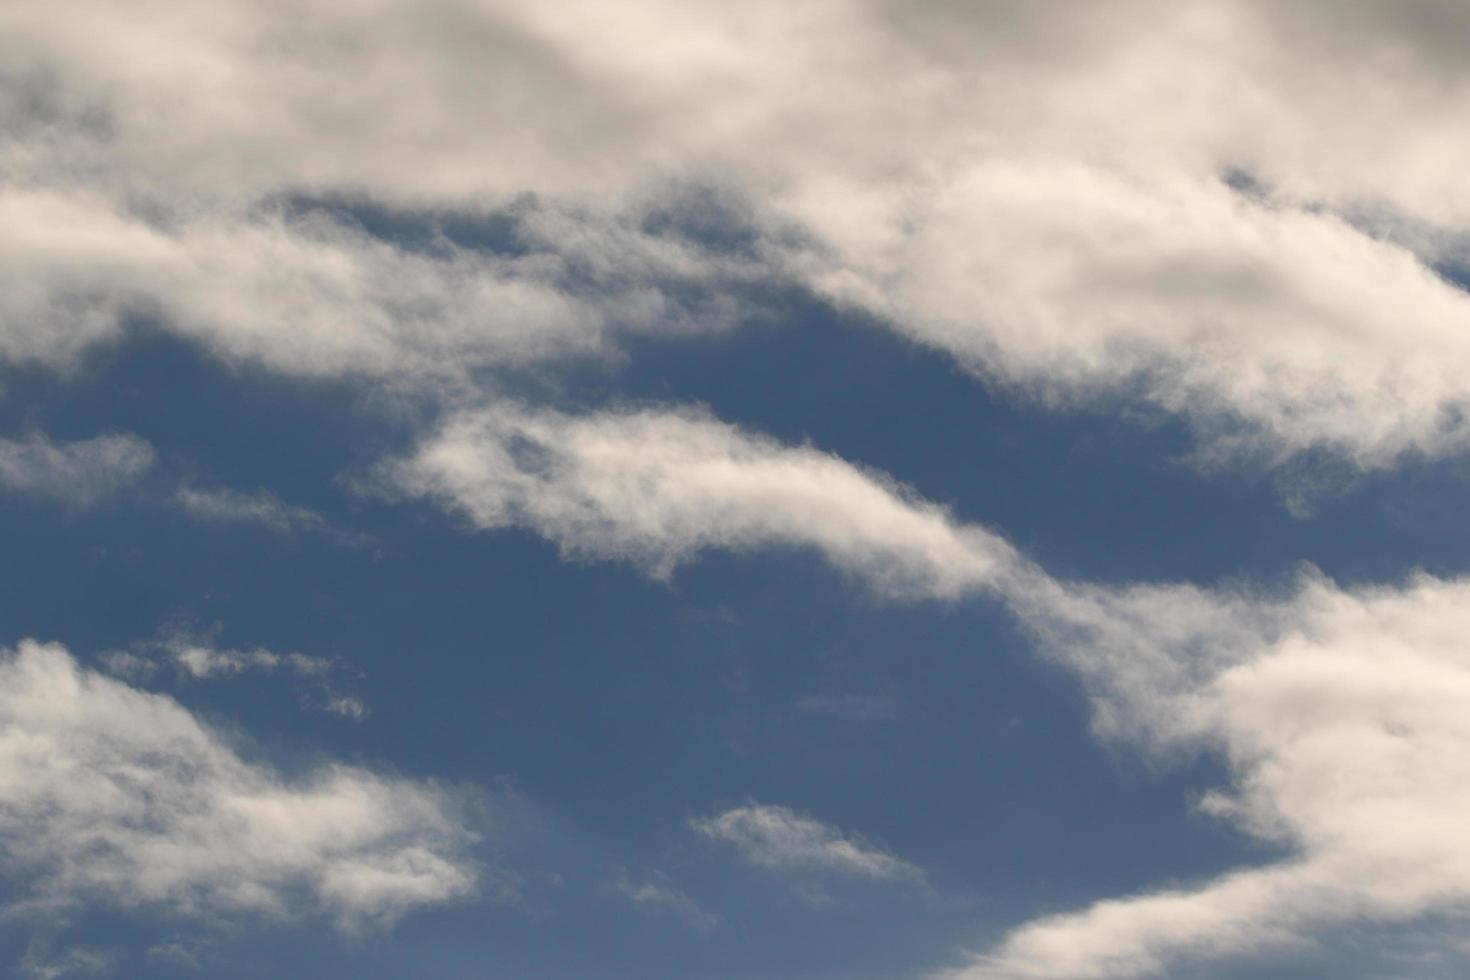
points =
(658, 487)
(78, 473)
(1344, 722)
(1230, 207)
(112, 794)
(778, 838)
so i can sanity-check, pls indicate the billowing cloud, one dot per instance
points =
(78, 473)
(656, 488)
(114, 795)
(1204, 207)
(784, 840)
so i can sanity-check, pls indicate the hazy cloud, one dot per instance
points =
(78, 473)
(255, 507)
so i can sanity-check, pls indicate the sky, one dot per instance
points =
(849, 490)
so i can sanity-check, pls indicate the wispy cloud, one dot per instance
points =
(784, 840)
(262, 508)
(79, 473)
(1105, 243)
(657, 890)
(194, 656)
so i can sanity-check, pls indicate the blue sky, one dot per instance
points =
(730, 492)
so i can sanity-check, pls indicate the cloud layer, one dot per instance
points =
(115, 795)
(78, 473)
(1204, 208)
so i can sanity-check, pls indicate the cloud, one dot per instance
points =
(1103, 199)
(79, 473)
(655, 488)
(205, 661)
(309, 292)
(1341, 713)
(1278, 330)
(195, 657)
(1344, 722)
(258, 507)
(344, 706)
(658, 890)
(185, 955)
(39, 964)
(783, 840)
(123, 797)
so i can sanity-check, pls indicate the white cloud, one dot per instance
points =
(1345, 719)
(1034, 188)
(1341, 713)
(656, 488)
(79, 473)
(111, 794)
(312, 294)
(781, 839)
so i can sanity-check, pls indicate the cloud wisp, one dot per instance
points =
(80, 473)
(258, 507)
(119, 796)
(195, 657)
(656, 488)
